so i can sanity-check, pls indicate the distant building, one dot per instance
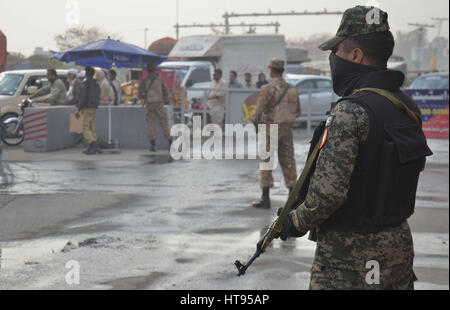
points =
(40, 52)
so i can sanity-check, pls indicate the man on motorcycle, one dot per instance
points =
(55, 93)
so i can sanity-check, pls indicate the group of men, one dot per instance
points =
(56, 93)
(216, 97)
(88, 89)
(371, 152)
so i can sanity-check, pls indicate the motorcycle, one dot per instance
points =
(13, 131)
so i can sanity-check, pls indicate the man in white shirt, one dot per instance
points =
(216, 98)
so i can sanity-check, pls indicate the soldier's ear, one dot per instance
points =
(357, 56)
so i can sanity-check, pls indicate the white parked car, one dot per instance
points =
(14, 87)
(315, 91)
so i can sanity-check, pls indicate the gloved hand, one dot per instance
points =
(289, 230)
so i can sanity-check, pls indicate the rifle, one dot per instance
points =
(296, 197)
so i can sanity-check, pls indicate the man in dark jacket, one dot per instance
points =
(87, 106)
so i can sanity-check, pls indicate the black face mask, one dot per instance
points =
(345, 74)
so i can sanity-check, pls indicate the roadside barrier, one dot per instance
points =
(47, 128)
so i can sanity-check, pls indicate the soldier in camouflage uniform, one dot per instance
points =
(270, 110)
(358, 207)
(153, 91)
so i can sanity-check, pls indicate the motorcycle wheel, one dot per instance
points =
(12, 139)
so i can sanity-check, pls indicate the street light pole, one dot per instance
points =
(145, 38)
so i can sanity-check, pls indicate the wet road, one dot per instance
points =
(134, 221)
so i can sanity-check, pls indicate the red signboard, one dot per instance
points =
(433, 104)
(3, 52)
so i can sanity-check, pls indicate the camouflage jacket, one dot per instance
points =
(270, 93)
(328, 190)
(153, 89)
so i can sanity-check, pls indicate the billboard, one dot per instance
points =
(433, 104)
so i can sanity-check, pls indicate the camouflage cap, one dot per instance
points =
(358, 21)
(276, 63)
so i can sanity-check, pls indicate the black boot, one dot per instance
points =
(152, 146)
(90, 150)
(87, 150)
(264, 203)
(97, 148)
(93, 149)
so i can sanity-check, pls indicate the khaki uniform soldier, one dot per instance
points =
(363, 188)
(87, 105)
(153, 91)
(278, 103)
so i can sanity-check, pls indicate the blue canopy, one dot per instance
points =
(106, 53)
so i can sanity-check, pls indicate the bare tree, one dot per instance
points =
(78, 35)
(311, 44)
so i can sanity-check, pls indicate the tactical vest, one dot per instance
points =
(384, 181)
(288, 109)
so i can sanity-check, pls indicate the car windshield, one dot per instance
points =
(291, 81)
(431, 82)
(9, 83)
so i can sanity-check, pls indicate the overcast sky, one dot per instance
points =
(29, 23)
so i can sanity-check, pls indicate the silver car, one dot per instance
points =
(315, 91)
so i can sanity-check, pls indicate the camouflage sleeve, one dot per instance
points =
(266, 96)
(347, 129)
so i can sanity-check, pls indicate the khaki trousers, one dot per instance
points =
(89, 129)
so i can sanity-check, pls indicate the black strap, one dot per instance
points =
(150, 86)
(282, 95)
(395, 101)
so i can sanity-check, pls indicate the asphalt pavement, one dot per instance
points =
(137, 221)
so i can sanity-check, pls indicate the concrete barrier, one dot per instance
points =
(47, 128)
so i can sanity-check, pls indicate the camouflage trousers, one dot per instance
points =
(285, 158)
(400, 277)
(157, 111)
(364, 261)
(89, 128)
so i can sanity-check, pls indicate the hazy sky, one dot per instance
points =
(29, 23)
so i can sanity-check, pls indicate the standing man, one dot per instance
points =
(278, 103)
(73, 94)
(248, 81)
(364, 185)
(153, 91)
(233, 82)
(106, 91)
(115, 84)
(261, 80)
(54, 93)
(216, 98)
(87, 106)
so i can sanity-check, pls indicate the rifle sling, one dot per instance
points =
(282, 95)
(301, 180)
(395, 101)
